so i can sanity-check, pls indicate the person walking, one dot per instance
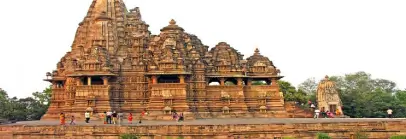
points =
(72, 120)
(142, 115)
(87, 116)
(62, 119)
(130, 118)
(105, 117)
(114, 115)
(389, 111)
(316, 113)
(338, 112)
(181, 118)
(109, 117)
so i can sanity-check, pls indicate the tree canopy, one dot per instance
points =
(363, 96)
(23, 109)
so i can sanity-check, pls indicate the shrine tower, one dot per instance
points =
(327, 96)
(116, 64)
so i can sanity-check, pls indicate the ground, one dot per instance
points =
(231, 121)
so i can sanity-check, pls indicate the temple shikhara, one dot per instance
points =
(116, 64)
(327, 96)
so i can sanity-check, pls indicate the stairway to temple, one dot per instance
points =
(295, 111)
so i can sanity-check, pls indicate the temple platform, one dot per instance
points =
(267, 128)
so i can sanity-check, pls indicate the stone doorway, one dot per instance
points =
(333, 108)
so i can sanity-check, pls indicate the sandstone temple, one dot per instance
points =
(327, 96)
(116, 64)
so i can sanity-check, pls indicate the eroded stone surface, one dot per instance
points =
(212, 128)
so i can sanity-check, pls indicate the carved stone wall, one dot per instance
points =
(327, 96)
(116, 64)
(376, 130)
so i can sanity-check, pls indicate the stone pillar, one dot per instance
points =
(239, 81)
(89, 80)
(222, 80)
(181, 79)
(249, 82)
(78, 81)
(274, 82)
(154, 79)
(105, 80)
(54, 85)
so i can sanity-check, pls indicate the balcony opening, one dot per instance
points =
(261, 82)
(214, 82)
(83, 80)
(230, 82)
(97, 81)
(59, 84)
(169, 79)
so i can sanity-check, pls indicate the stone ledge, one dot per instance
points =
(376, 128)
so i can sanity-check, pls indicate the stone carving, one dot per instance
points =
(122, 67)
(327, 96)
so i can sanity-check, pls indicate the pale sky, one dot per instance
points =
(304, 38)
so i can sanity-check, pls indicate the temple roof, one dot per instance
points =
(172, 26)
(326, 83)
(258, 57)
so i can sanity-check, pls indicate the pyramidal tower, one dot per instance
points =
(115, 64)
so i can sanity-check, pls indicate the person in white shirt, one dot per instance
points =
(87, 116)
(316, 113)
(109, 117)
(389, 111)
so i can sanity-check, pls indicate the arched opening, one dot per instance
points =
(261, 82)
(214, 82)
(97, 81)
(169, 79)
(230, 81)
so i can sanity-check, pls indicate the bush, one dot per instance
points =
(129, 136)
(398, 137)
(323, 136)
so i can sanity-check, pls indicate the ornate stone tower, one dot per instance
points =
(327, 96)
(116, 65)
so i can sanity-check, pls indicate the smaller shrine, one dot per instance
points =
(327, 96)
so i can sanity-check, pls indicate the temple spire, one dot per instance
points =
(256, 51)
(136, 13)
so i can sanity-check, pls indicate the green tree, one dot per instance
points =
(363, 96)
(30, 108)
(3, 104)
(291, 94)
(309, 86)
(43, 97)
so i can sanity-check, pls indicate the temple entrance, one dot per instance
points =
(333, 108)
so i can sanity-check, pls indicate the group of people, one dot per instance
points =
(326, 114)
(178, 117)
(62, 118)
(108, 118)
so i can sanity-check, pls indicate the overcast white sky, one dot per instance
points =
(304, 38)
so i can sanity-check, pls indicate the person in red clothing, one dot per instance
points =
(62, 118)
(130, 118)
(142, 115)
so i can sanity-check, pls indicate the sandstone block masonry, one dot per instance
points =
(342, 130)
